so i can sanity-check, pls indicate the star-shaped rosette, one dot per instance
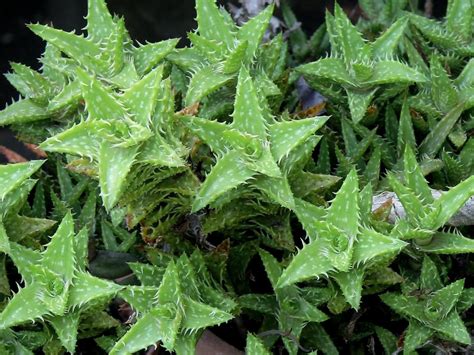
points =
(174, 305)
(425, 215)
(219, 49)
(54, 93)
(342, 245)
(453, 35)
(292, 307)
(431, 308)
(115, 139)
(249, 149)
(15, 187)
(360, 68)
(57, 286)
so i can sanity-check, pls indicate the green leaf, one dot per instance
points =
(141, 97)
(148, 330)
(351, 42)
(387, 339)
(359, 101)
(459, 17)
(4, 242)
(438, 134)
(82, 139)
(29, 82)
(228, 172)
(66, 327)
(234, 60)
(272, 267)
(140, 298)
(87, 288)
(59, 256)
(149, 55)
(248, 115)
(205, 81)
(255, 346)
(114, 166)
(390, 71)
(311, 261)
(387, 43)
(25, 306)
(351, 285)
(78, 48)
(429, 276)
(328, 68)
(198, 315)
(443, 92)
(212, 24)
(406, 134)
(416, 335)
(453, 327)
(371, 244)
(23, 111)
(287, 135)
(414, 178)
(253, 30)
(100, 24)
(449, 203)
(344, 210)
(100, 103)
(448, 243)
(411, 203)
(13, 175)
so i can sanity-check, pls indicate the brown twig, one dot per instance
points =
(36, 150)
(11, 156)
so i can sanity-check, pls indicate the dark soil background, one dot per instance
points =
(146, 20)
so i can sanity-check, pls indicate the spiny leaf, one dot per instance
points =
(141, 97)
(448, 243)
(330, 68)
(13, 175)
(66, 327)
(286, 135)
(212, 24)
(205, 81)
(344, 210)
(449, 203)
(25, 306)
(310, 261)
(76, 47)
(59, 256)
(87, 288)
(100, 24)
(248, 115)
(229, 172)
(83, 139)
(149, 55)
(437, 136)
(255, 346)
(254, 29)
(114, 166)
(351, 285)
(390, 71)
(151, 328)
(199, 315)
(414, 177)
(386, 44)
(23, 111)
(100, 103)
(359, 101)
